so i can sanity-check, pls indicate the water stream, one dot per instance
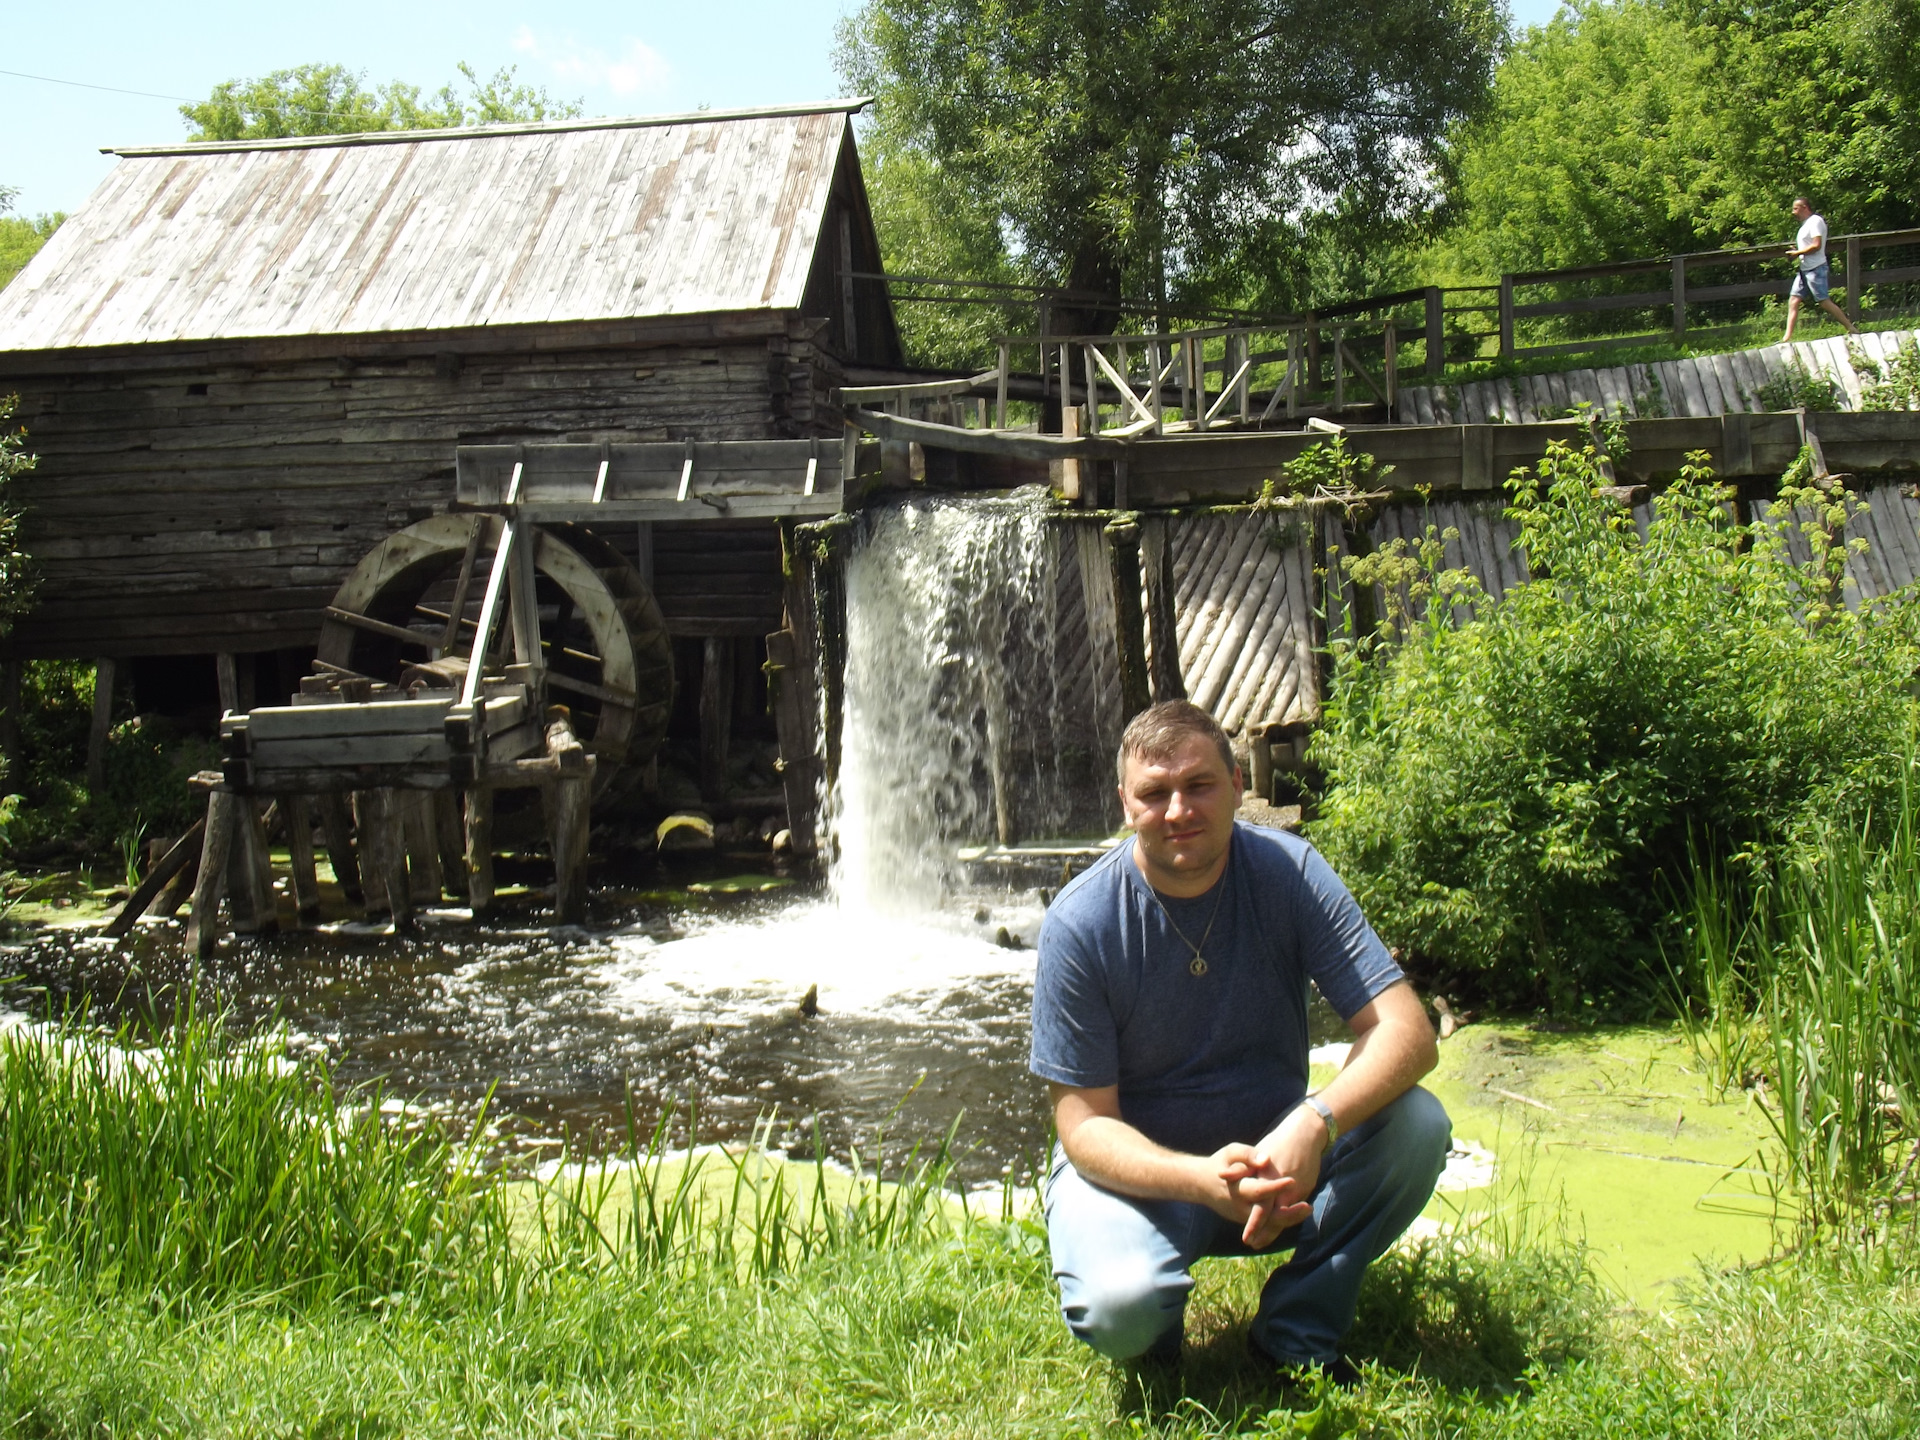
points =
(974, 711)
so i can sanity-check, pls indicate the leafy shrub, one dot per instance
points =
(1794, 387)
(1514, 785)
(1897, 387)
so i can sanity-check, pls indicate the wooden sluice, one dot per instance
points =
(424, 706)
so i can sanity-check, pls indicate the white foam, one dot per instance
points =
(864, 964)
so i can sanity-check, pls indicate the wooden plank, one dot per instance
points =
(324, 751)
(392, 717)
(178, 856)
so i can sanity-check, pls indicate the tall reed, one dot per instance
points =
(1815, 984)
(201, 1164)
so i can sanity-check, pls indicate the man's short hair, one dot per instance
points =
(1801, 200)
(1159, 730)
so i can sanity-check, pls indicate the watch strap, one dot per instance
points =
(1325, 1112)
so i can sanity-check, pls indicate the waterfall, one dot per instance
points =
(975, 705)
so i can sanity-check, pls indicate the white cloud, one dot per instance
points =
(634, 68)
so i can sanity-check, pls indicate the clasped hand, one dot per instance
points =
(1268, 1187)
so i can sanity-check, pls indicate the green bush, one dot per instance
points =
(1516, 797)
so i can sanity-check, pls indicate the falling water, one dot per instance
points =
(973, 703)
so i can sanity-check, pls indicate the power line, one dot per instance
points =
(85, 85)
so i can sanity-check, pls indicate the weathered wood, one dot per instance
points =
(1123, 555)
(227, 682)
(103, 677)
(298, 812)
(479, 836)
(203, 921)
(425, 879)
(384, 845)
(450, 835)
(168, 904)
(1164, 677)
(568, 798)
(336, 825)
(177, 858)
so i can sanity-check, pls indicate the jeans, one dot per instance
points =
(1125, 1266)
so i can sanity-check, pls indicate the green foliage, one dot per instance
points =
(1794, 387)
(16, 581)
(1325, 467)
(331, 100)
(21, 238)
(1166, 148)
(1514, 785)
(1897, 387)
(1629, 128)
(1807, 985)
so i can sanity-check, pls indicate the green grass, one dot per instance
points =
(207, 1248)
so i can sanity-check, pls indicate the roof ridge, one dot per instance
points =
(847, 105)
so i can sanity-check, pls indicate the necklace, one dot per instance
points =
(1198, 965)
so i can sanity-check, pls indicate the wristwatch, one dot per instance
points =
(1325, 1112)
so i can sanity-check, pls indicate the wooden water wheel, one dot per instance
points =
(408, 612)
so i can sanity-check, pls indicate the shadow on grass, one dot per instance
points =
(1459, 1320)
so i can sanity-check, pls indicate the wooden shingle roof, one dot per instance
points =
(436, 230)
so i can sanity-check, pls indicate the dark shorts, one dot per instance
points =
(1812, 284)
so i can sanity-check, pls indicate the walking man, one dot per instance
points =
(1170, 1022)
(1813, 274)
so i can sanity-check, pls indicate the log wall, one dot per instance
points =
(197, 498)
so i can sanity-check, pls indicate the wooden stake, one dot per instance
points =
(1155, 553)
(716, 715)
(298, 810)
(568, 799)
(203, 922)
(369, 848)
(448, 832)
(337, 825)
(1123, 555)
(389, 855)
(178, 855)
(425, 880)
(229, 683)
(480, 851)
(103, 674)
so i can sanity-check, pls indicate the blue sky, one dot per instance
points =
(618, 59)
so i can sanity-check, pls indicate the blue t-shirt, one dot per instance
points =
(1201, 1060)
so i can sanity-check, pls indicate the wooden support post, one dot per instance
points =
(337, 825)
(480, 851)
(1070, 467)
(1390, 347)
(1260, 761)
(1123, 555)
(1000, 392)
(227, 681)
(1293, 374)
(103, 675)
(451, 837)
(1164, 679)
(1188, 347)
(383, 843)
(828, 540)
(250, 873)
(716, 714)
(10, 716)
(1245, 371)
(424, 878)
(1506, 317)
(179, 855)
(1153, 384)
(175, 895)
(1313, 360)
(643, 541)
(298, 810)
(1856, 280)
(1679, 298)
(568, 799)
(1093, 390)
(203, 921)
(1339, 368)
(1436, 332)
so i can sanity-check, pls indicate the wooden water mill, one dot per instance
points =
(500, 646)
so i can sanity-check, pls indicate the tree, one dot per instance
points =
(1149, 146)
(20, 237)
(332, 100)
(1630, 128)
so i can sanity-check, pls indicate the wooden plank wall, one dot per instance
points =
(199, 499)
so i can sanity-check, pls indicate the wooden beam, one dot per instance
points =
(103, 677)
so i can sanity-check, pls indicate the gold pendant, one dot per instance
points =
(1197, 966)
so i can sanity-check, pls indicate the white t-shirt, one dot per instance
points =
(1812, 230)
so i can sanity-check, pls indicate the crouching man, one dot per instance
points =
(1170, 1020)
